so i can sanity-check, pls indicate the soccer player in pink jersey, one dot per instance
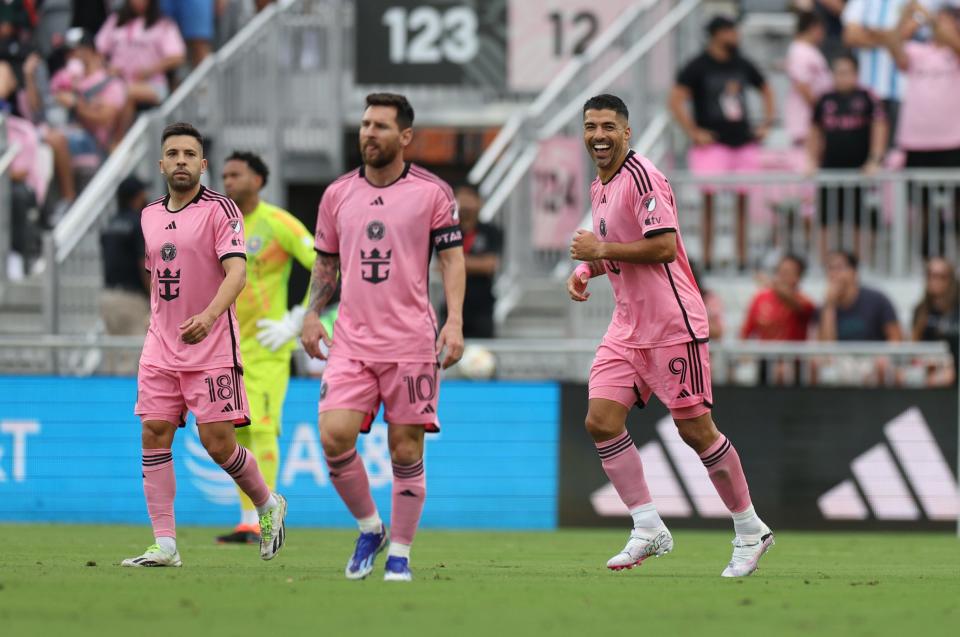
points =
(379, 225)
(656, 342)
(196, 257)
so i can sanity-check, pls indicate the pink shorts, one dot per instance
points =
(408, 391)
(213, 395)
(678, 374)
(718, 159)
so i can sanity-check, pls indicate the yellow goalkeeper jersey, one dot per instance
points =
(274, 238)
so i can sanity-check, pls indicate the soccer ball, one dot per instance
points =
(477, 363)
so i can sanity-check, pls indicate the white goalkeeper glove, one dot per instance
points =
(274, 334)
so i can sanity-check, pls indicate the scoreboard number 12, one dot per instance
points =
(582, 25)
(428, 35)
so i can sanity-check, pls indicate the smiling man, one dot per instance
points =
(195, 255)
(656, 342)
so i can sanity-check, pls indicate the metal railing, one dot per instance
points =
(289, 55)
(891, 220)
(732, 362)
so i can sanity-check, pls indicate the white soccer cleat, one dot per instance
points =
(154, 556)
(273, 532)
(643, 543)
(747, 552)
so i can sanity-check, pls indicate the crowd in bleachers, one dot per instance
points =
(74, 74)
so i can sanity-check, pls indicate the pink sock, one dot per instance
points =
(621, 462)
(242, 467)
(350, 480)
(723, 464)
(409, 493)
(160, 487)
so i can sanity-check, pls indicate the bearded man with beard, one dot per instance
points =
(378, 225)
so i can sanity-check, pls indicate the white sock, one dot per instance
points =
(270, 504)
(249, 517)
(371, 524)
(399, 550)
(645, 516)
(746, 523)
(168, 544)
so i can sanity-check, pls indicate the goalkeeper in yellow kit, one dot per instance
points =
(268, 331)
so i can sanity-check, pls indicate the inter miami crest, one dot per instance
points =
(166, 282)
(168, 252)
(603, 227)
(376, 230)
(375, 266)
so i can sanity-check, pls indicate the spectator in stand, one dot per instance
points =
(141, 46)
(849, 131)
(865, 23)
(94, 98)
(929, 128)
(125, 301)
(937, 317)
(852, 312)
(809, 76)
(21, 103)
(482, 245)
(196, 21)
(781, 312)
(716, 82)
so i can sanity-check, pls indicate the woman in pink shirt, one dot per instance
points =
(141, 46)
(809, 76)
(929, 129)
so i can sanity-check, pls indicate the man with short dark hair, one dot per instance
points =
(377, 226)
(656, 342)
(268, 330)
(722, 138)
(196, 255)
(852, 312)
(125, 300)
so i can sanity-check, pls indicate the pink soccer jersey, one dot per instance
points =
(656, 304)
(184, 251)
(384, 238)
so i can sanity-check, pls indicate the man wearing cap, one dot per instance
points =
(125, 302)
(722, 137)
(93, 96)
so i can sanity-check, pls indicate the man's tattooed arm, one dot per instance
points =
(323, 281)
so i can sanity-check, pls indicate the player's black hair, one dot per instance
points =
(849, 57)
(720, 23)
(253, 160)
(150, 17)
(181, 128)
(606, 102)
(397, 101)
(852, 261)
(796, 258)
(807, 20)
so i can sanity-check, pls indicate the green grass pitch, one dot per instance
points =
(64, 581)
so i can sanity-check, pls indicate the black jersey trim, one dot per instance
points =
(230, 255)
(637, 179)
(676, 294)
(324, 253)
(227, 205)
(636, 163)
(406, 170)
(197, 197)
(656, 231)
(233, 343)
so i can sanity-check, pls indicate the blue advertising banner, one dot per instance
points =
(70, 452)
